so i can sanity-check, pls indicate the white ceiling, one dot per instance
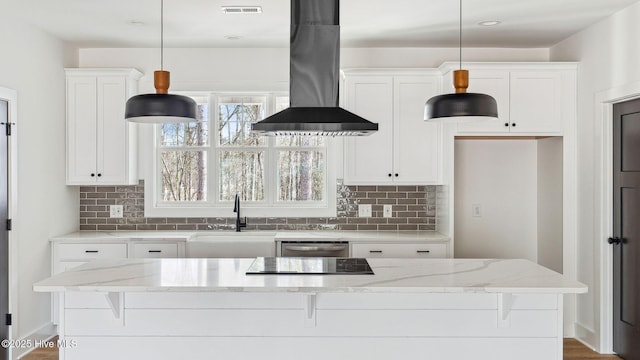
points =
(364, 23)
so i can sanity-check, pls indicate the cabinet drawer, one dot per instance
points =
(91, 251)
(399, 250)
(158, 250)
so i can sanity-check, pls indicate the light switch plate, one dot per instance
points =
(115, 211)
(364, 210)
(476, 210)
(387, 211)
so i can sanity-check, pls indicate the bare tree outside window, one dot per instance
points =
(197, 168)
(184, 176)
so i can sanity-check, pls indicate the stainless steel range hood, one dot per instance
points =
(314, 77)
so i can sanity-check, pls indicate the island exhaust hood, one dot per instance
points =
(314, 77)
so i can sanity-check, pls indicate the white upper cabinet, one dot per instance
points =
(406, 149)
(533, 98)
(101, 144)
(496, 84)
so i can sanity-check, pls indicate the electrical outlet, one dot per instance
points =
(387, 211)
(476, 210)
(115, 211)
(364, 210)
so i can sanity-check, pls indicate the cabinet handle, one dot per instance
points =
(389, 174)
(506, 124)
(513, 125)
(99, 174)
(375, 251)
(396, 174)
(423, 251)
(155, 251)
(92, 174)
(91, 251)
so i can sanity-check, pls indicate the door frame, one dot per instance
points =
(603, 175)
(11, 96)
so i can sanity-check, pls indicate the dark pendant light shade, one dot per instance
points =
(465, 106)
(160, 108)
(461, 106)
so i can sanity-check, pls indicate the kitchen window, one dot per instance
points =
(200, 166)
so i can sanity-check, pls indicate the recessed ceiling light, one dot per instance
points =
(490, 23)
(232, 37)
(241, 9)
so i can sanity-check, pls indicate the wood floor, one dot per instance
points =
(573, 350)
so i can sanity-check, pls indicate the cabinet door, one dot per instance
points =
(536, 102)
(81, 130)
(368, 159)
(496, 84)
(416, 142)
(112, 129)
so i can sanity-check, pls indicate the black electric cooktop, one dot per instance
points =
(309, 265)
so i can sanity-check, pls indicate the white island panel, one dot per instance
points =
(411, 308)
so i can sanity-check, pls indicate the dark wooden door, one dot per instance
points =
(4, 233)
(626, 237)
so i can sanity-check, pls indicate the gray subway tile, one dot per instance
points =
(127, 227)
(187, 227)
(107, 189)
(390, 227)
(367, 227)
(96, 221)
(156, 220)
(347, 227)
(408, 227)
(107, 227)
(387, 188)
(88, 227)
(146, 227)
(162, 227)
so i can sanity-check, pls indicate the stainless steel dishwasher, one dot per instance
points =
(314, 248)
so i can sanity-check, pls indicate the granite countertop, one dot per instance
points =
(226, 236)
(391, 276)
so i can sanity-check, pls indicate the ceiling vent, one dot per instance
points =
(241, 9)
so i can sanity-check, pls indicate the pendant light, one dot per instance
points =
(160, 107)
(461, 106)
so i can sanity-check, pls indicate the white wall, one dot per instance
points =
(609, 55)
(500, 176)
(32, 63)
(550, 203)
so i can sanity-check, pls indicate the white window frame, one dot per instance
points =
(215, 208)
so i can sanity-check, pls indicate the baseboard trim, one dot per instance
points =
(44, 333)
(586, 336)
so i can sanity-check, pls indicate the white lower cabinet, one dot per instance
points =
(399, 250)
(141, 250)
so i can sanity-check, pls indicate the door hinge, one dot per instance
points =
(9, 225)
(8, 320)
(8, 127)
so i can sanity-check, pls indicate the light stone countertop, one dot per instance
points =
(391, 276)
(228, 236)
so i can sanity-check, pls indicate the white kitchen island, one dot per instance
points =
(410, 309)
